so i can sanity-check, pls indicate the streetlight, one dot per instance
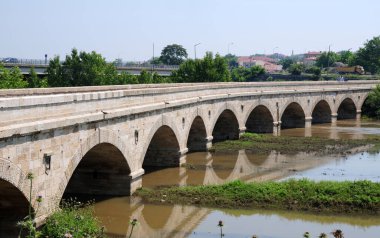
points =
(195, 50)
(228, 46)
(273, 52)
(328, 58)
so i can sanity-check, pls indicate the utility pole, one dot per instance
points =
(195, 50)
(228, 47)
(153, 60)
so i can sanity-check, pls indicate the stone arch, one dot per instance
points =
(163, 149)
(364, 110)
(103, 170)
(255, 104)
(347, 109)
(14, 202)
(293, 116)
(167, 122)
(226, 126)
(220, 110)
(260, 120)
(197, 135)
(321, 112)
(100, 136)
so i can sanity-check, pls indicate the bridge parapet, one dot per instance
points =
(27, 105)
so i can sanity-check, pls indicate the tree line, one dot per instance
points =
(91, 69)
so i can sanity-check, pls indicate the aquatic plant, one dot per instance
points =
(220, 224)
(337, 233)
(133, 223)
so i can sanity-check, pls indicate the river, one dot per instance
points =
(207, 168)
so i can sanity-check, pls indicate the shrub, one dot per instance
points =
(75, 219)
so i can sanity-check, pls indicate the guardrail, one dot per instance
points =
(41, 62)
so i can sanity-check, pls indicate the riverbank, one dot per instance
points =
(361, 197)
(262, 143)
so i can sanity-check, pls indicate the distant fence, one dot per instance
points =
(43, 62)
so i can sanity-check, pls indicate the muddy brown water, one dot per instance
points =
(207, 168)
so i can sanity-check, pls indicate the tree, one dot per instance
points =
(34, 81)
(346, 57)
(208, 69)
(55, 74)
(296, 69)
(286, 62)
(231, 60)
(173, 54)
(11, 78)
(81, 69)
(326, 59)
(242, 74)
(369, 56)
(316, 71)
(371, 107)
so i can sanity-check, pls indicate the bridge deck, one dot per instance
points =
(26, 111)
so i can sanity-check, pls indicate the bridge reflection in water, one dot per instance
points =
(206, 168)
(183, 221)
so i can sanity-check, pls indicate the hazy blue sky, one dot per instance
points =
(127, 29)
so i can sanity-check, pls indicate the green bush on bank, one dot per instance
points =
(74, 219)
(328, 196)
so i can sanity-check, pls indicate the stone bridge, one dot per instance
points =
(99, 140)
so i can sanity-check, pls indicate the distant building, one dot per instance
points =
(310, 58)
(313, 54)
(263, 61)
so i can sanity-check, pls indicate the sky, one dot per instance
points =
(128, 29)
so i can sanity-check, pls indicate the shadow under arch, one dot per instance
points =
(293, 116)
(103, 171)
(321, 113)
(163, 149)
(260, 120)
(347, 109)
(196, 140)
(14, 206)
(226, 127)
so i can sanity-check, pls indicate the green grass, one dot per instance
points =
(326, 196)
(286, 144)
(74, 218)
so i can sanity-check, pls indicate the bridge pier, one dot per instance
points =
(277, 128)
(242, 131)
(334, 119)
(209, 142)
(358, 115)
(136, 180)
(308, 121)
(182, 156)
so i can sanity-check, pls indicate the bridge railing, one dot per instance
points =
(119, 65)
(17, 61)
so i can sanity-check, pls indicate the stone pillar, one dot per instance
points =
(242, 131)
(277, 128)
(136, 180)
(209, 142)
(334, 118)
(182, 156)
(308, 121)
(358, 115)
